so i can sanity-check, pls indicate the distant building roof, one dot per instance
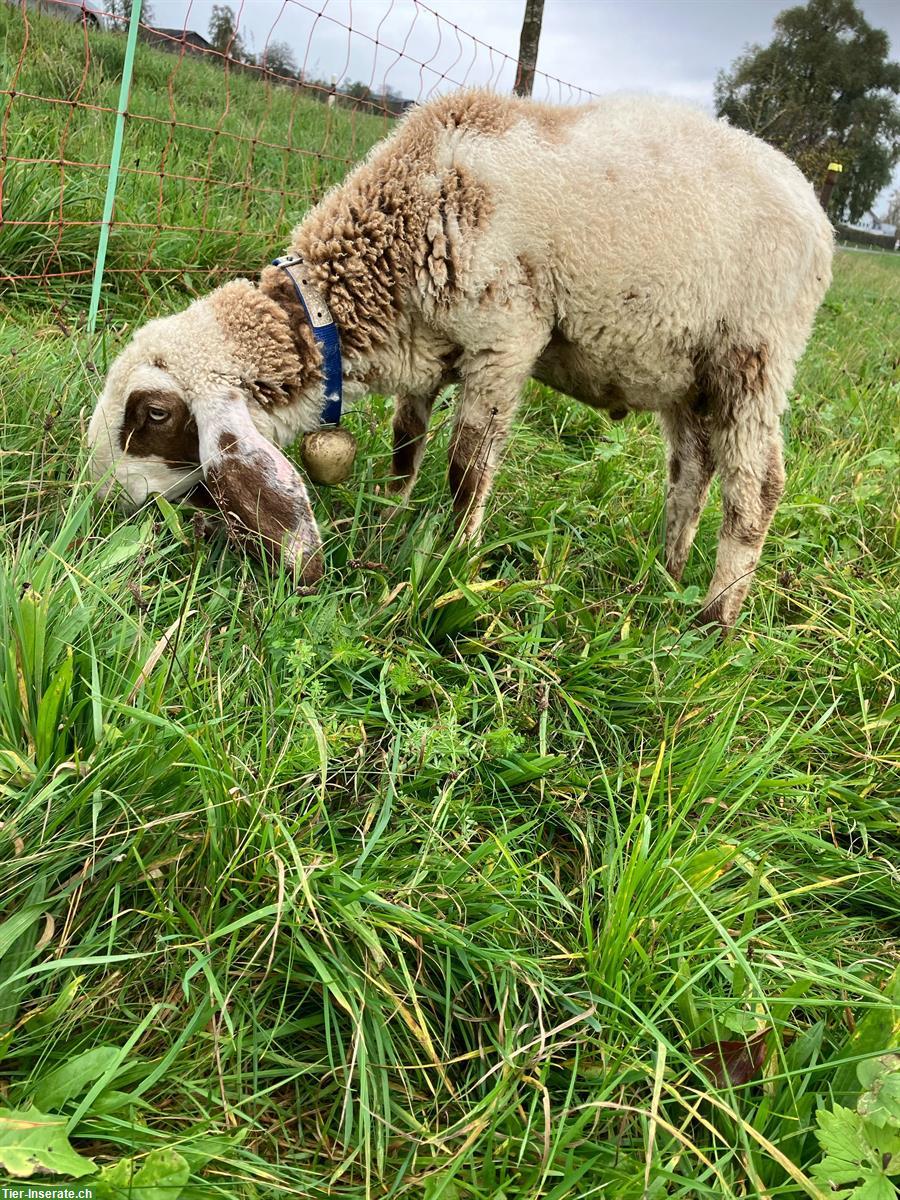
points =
(170, 39)
(873, 227)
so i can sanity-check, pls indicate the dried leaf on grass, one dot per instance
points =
(734, 1062)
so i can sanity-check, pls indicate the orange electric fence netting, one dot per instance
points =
(224, 148)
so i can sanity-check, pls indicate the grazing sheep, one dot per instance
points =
(632, 253)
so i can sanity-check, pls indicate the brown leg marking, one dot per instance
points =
(744, 399)
(772, 487)
(410, 425)
(712, 614)
(730, 374)
(407, 434)
(690, 473)
(469, 473)
(492, 381)
(752, 476)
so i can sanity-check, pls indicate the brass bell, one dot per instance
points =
(327, 454)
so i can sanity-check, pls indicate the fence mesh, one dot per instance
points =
(224, 148)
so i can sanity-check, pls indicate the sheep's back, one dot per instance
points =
(637, 204)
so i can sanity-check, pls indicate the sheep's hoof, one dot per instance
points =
(327, 454)
(712, 614)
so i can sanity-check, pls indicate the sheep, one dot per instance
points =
(632, 253)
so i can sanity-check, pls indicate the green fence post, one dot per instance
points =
(114, 160)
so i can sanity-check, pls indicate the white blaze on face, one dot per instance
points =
(143, 478)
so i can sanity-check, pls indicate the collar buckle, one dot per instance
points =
(325, 331)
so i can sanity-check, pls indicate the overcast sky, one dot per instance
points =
(670, 46)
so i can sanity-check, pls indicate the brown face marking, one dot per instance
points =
(259, 512)
(173, 438)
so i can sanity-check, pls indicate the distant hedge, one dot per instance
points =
(863, 237)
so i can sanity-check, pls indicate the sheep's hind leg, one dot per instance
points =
(690, 468)
(750, 464)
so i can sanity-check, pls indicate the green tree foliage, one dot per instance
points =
(279, 59)
(361, 97)
(823, 89)
(122, 10)
(223, 33)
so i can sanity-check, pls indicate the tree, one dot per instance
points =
(394, 102)
(279, 59)
(528, 47)
(223, 33)
(892, 217)
(362, 96)
(822, 90)
(121, 9)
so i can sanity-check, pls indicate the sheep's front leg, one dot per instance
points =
(410, 425)
(491, 385)
(690, 469)
(474, 454)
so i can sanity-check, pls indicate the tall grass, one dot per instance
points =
(262, 152)
(431, 883)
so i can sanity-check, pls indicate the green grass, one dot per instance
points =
(428, 884)
(262, 151)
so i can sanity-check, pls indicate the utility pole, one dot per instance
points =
(528, 47)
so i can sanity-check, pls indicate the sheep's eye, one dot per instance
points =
(158, 414)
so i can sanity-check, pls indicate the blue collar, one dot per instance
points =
(324, 330)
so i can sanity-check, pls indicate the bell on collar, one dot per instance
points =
(327, 454)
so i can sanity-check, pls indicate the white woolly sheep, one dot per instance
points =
(633, 253)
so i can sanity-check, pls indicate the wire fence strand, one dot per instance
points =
(224, 148)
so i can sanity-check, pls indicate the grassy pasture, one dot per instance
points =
(429, 884)
(262, 151)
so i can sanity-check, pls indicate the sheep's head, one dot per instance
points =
(199, 399)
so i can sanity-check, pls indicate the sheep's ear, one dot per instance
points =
(258, 490)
